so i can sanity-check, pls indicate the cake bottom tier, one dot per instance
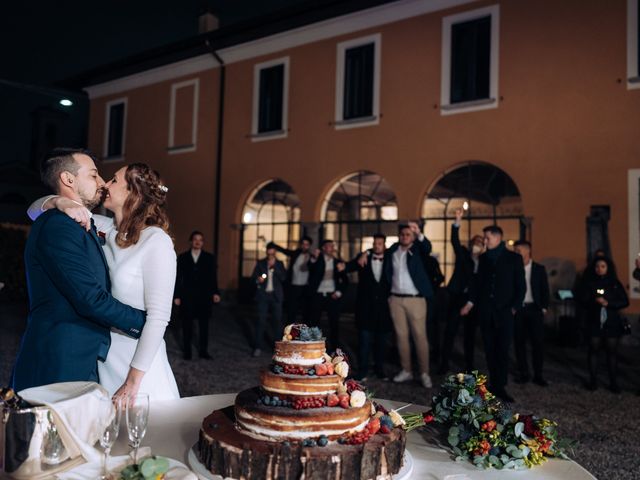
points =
(226, 451)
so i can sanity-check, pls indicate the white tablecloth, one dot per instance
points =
(174, 426)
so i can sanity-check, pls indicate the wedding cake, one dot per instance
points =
(304, 421)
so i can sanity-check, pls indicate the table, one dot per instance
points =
(174, 426)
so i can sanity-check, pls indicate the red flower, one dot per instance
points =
(427, 417)
(483, 448)
(489, 426)
(530, 427)
(482, 391)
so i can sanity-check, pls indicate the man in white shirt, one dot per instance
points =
(327, 283)
(410, 287)
(529, 322)
(297, 292)
(269, 275)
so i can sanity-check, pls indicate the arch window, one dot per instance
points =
(358, 206)
(487, 194)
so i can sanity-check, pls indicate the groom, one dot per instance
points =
(71, 310)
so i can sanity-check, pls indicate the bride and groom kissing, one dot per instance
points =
(100, 288)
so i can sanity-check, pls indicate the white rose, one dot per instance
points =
(341, 388)
(337, 360)
(287, 329)
(327, 358)
(396, 418)
(341, 369)
(460, 377)
(357, 398)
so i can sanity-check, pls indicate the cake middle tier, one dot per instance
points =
(298, 385)
(282, 423)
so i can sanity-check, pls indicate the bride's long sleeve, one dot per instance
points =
(158, 278)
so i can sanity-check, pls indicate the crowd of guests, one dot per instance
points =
(501, 293)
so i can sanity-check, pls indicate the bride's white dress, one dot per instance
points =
(142, 276)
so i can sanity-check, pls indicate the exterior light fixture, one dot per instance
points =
(65, 102)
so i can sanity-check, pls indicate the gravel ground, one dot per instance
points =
(602, 422)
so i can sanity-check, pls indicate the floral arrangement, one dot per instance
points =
(482, 430)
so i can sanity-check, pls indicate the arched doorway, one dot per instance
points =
(488, 195)
(356, 207)
(271, 214)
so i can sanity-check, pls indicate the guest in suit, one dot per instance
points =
(404, 269)
(196, 291)
(297, 291)
(373, 319)
(498, 295)
(603, 298)
(435, 305)
(71, 310)
(269, 275)
(529, 326)
(327, 283)
(464, 273)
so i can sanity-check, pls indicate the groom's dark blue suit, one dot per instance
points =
(71, 308)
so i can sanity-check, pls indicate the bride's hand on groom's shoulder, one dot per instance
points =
(74, 210)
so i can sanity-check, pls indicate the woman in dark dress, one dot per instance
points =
(603, 298)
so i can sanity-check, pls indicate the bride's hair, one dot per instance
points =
(144, 206)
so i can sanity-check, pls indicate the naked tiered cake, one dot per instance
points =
(304, 421)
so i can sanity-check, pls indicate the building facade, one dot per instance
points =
(526, 112)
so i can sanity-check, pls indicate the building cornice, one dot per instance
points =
(318, 31)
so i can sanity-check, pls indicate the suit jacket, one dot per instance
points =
(196, 283)
(463, 269)
(501, 284)
(372, 306)
(539, 285)
(416, 259)
(293, 257)
(316, 274)
(279, 277)
(71, 310)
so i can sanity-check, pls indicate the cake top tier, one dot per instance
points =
(302, 333)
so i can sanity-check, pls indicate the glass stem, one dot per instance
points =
(135, 453)
(105, 459)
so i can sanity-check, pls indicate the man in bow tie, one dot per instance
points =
(372, 307)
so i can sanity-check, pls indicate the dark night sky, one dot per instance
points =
(47, 41)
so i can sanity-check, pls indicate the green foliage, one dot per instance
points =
(149, 469)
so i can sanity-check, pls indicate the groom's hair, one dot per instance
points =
(57, 161)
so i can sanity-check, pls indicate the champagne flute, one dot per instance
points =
(137, 416)
(110, 429)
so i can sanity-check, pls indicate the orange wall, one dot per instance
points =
(190, 176)
(565, 129)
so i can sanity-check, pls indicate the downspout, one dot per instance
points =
(216, 214)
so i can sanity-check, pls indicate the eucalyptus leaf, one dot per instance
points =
(519, 429)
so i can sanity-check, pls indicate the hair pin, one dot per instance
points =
(163, 188)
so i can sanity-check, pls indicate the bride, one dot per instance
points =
(142, 267)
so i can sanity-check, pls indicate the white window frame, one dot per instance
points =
(172, 147)
(633, 29)
(107, 118)
(340, 122)
(284, 132)
(446, 107)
